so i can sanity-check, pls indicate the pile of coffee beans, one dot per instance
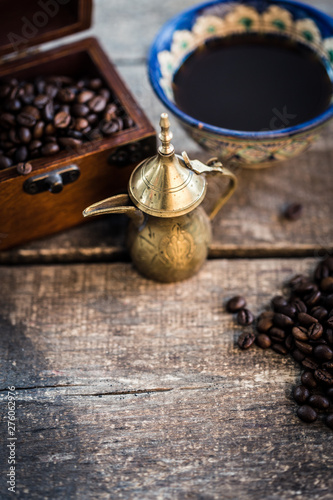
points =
(300, 324)
(44, 116)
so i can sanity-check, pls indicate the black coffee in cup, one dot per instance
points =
(253, 83)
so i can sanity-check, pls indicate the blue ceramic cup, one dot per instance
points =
(184, 33)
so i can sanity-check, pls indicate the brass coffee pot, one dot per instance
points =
(169, 233)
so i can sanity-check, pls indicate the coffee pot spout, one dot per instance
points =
(119, 204)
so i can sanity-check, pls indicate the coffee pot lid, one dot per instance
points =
(164, 185)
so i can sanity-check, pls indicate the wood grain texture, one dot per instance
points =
(131, 389)
(251, 223)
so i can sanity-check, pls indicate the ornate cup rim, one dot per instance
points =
(185, 21)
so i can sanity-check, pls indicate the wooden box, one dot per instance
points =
(102, 166)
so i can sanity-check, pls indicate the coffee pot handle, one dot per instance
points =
(213, 167)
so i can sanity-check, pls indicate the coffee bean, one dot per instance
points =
(288, 310)
(105, 93)
(236, 303)
(328, 365)
(315, 331)
(95, 83)
(87, 132)
(245, 317)
(323, 352)
(33, 111)
(246, 339)
(70, 142)
(24, 168)
(51, 91)
(5, 162)
(329, 336)
(307, 414)
(301, 394)
(300, 333)
(24, 134)
(297, 280)
(326, 284)
(299, 305)
(38, 130)
(4, 90)
(75, 134)
(308, 379)
(277, 334)
(312, 298)
(13, 136)
(282, 321)
(66, 95)
(305, 288)
(329, 263)
(263, 341)
(322, 271)
(110, 112)
(35, 144)
(48, 111)
(319, 312)
(319, 402)
(280, 349)
(62, 119)
(329, 392)
(309, 363)
(50, 138)
(50, 149)
(329, 421)
(304, 347)
(7, 120)
(92, 118)
(266, 315)
(21, 154)
(327, 301)
(80, 110)
(329, 322)
(85, 96)
(264, 324)
(293, 211)
(128, 122)
(26, 119)
(80, 124)
(323, 376)
(41, 100)
(14, 105)
(120, 123)
(305, 319)
(40, 85)
(298, 355)
(110, 127)
(97, 104)
(289, 342)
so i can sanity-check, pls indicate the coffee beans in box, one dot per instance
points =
(44, 116)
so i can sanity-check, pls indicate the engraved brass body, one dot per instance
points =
(169, 233)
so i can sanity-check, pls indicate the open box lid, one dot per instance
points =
(32, 22)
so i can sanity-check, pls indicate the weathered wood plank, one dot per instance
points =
(132, 389)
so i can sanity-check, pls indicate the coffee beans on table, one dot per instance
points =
(301, 325)
(47, 115)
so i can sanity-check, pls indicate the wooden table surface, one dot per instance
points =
(126, 388)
